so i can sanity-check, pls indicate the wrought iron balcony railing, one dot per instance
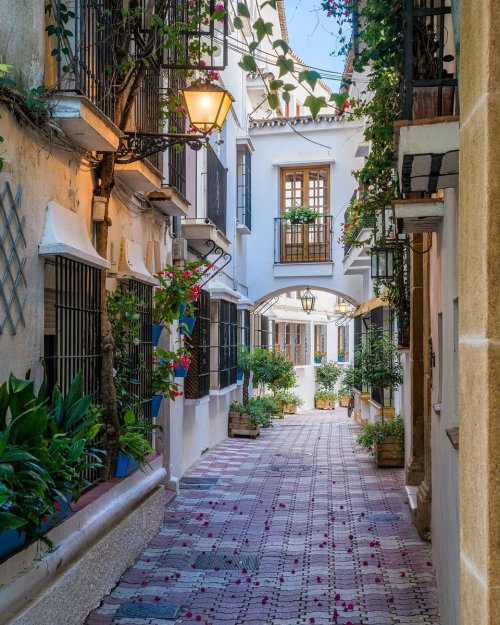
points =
(429, 84)
(365, 222)
(303, 243)
(83, 52)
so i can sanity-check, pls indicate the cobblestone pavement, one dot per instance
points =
(300, 528)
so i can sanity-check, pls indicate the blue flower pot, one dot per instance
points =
(59, 515)
(125, 465)
(239, 375)
(157, 329)
(340, 358)
(180, 372)
(317, 360)
(155, 405)
(186, 325)
(11, 540)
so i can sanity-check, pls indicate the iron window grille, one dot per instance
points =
(244, 327)
(244, 186)
(214, 35)
(141, 354)
(216, 191)
(429, 74)
(263, 331)
(198, 378)
(147, 109)
(72, 332)
(83, 58)
(176, 157)
(72, 329)
(228, 335)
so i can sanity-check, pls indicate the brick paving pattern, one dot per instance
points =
(304, 530)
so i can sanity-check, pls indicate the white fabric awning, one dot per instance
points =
(65, 234)
(297, 316)
(132, 263)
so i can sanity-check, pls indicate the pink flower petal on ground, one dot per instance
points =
(282, 579)
(402, 574)
(337, 597)
(341, 507)
(244, 571)
(202, 589)
(249, 579)
(377, 580)
(293, 571)
(391, 599)
(198, 617)
(157, 598)
(350, 606)
(429, 563)
(189, 614)
(312, 620)
(296, 561)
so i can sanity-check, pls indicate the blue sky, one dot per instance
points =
(313, 36)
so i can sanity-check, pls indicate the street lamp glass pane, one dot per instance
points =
(203, 108)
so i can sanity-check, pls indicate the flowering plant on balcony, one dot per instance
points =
(178, 286)
(163, 380)
(300, 214)
(355, 217)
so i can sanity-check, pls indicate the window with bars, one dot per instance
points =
(263, 331)
(72, 329)
(141, 353)
(244, 327)
(244, 186)
(216, 191)
(72, 324)
(198, 378)
(227, 333)
(176, 158)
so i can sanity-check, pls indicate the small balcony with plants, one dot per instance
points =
(427, 130)
(357, 234)
(303, 235)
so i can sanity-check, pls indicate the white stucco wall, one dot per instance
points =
(445, 463)
(279, 146)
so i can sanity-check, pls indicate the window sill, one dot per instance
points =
(197, 402)
(223, 391)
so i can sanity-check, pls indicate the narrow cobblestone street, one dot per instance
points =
(299, 527)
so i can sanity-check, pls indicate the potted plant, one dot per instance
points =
(243, 420)
(327, 375)
(244, 365)
(300, 215)
(385, 441)
(181, 362)
(163, 383)
(318, 357)
(289, 402)
(379, 362)
(177, 293)
(271, 368)
(325, 400)
(133, 444)
(341, 355)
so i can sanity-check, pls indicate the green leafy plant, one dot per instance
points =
(376, 433)
(300, 214)
(326, 395)
(273, 369)
(327, 375)
(290, 399)
(164, 366)
(379, 362)
(352, 378)
(133, 438)
(178, 287)
(245, 364)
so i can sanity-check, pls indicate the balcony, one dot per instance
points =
(303, 243)
(203, 236)
(356, 258)
(427, 134)
(85, 105)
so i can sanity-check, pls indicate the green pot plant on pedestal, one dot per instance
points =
(380, 364)
(272, 370)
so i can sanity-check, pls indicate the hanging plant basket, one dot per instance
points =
(181, 372)
(155, 405)
(186, 325)
(156, 330)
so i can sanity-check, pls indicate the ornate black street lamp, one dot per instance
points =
(207, 106)
(382, 262)
(308, 300)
